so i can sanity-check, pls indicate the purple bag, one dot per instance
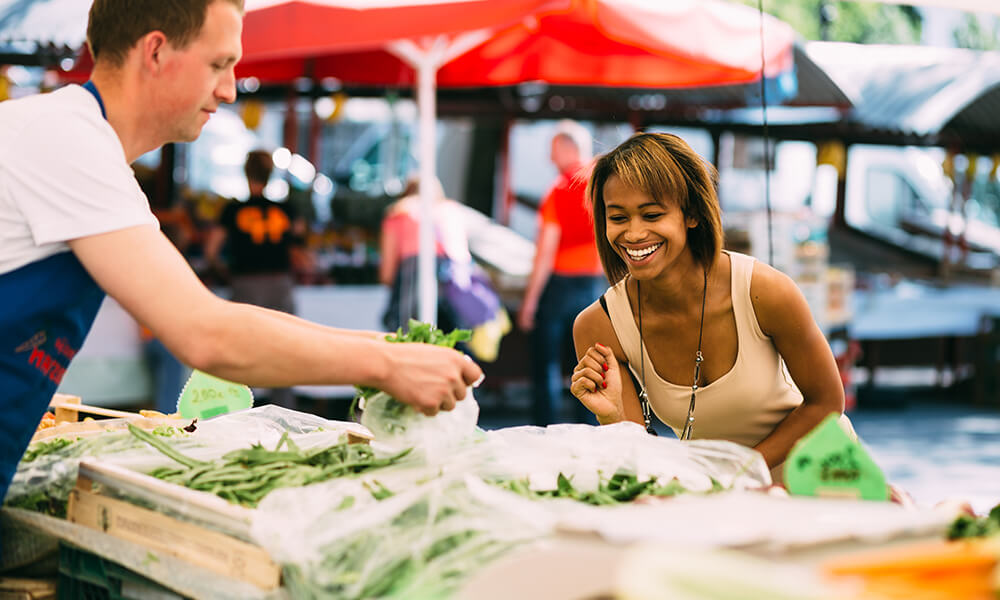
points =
(467, 292)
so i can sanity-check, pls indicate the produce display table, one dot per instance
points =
(181, 576)
(437, 508)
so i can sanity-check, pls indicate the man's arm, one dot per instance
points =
(784, 315)
(141, 269)
(545, 258)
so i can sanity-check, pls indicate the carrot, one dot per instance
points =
(927, 556)
(906, 588)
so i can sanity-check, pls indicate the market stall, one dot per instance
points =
(274, 503)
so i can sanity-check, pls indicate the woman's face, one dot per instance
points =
(648, 235)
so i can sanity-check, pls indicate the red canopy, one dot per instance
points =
(281, 38)
(624, 43)
(274, 29)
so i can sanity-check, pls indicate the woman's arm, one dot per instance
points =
(784, 316)
(546, 247)
(389, 253)
(596, 347)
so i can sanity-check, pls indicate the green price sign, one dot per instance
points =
(205, 396)
(828, 462)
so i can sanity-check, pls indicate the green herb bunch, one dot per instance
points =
(621, 487)
(420, 333)
(967, 526)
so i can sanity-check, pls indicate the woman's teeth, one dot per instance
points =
(642, 253)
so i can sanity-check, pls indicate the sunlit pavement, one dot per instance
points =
(936, 449)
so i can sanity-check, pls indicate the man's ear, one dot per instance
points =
(153, 45)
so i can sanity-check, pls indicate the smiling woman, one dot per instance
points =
(763, 372)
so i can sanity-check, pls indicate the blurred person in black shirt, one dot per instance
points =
(260, 236)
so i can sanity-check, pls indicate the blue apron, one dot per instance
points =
(46, 310)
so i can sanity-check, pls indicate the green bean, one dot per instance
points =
(245, 476)
(163, 447)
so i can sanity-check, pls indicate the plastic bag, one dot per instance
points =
(420, 543)
(400, 426)
(44, 483)
(585, 454)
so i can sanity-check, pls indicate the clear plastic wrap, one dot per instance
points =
(44, 483)
(401, 426)
(584, 454)
(339, 539)
(417, 528)
(420, 543)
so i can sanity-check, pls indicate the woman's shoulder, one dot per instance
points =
(768, 282)
(774, 295)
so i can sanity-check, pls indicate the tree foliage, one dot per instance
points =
(858, 22)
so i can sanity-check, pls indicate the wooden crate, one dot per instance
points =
(13, 588)
(190, 542)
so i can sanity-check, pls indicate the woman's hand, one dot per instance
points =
(597, 384)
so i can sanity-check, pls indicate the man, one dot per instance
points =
(566, 275)
(74, 225)
(261, 234)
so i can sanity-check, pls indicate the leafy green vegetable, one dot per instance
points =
(423, 552)
(167, 431)
(41, 485)
(378, 491)
(420, 333)
(45, 447)
(621, 487)
(967, 526)
(42, 501)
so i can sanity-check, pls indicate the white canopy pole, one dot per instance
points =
(427, 260)
(426, 62)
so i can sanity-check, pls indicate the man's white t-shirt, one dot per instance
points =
(63, 176)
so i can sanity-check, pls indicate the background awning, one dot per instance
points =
(944, 93)
(41, 32)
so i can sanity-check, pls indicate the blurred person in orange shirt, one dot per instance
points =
(566, 275)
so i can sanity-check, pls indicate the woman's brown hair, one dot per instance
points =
(665, 168)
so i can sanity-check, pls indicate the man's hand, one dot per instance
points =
(597, 384)
(429, 378)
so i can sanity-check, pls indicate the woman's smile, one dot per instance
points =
(641, 254)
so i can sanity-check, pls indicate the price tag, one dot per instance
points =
(828, 462)
(205, 396)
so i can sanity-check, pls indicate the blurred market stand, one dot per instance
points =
(871, 158)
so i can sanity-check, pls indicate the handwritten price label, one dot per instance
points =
(205, 396)
(828, 462)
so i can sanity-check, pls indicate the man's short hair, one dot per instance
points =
(115, 26)
(258, 166)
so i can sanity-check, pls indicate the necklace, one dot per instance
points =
(698, 359)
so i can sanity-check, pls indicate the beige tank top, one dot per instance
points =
(742, 406)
